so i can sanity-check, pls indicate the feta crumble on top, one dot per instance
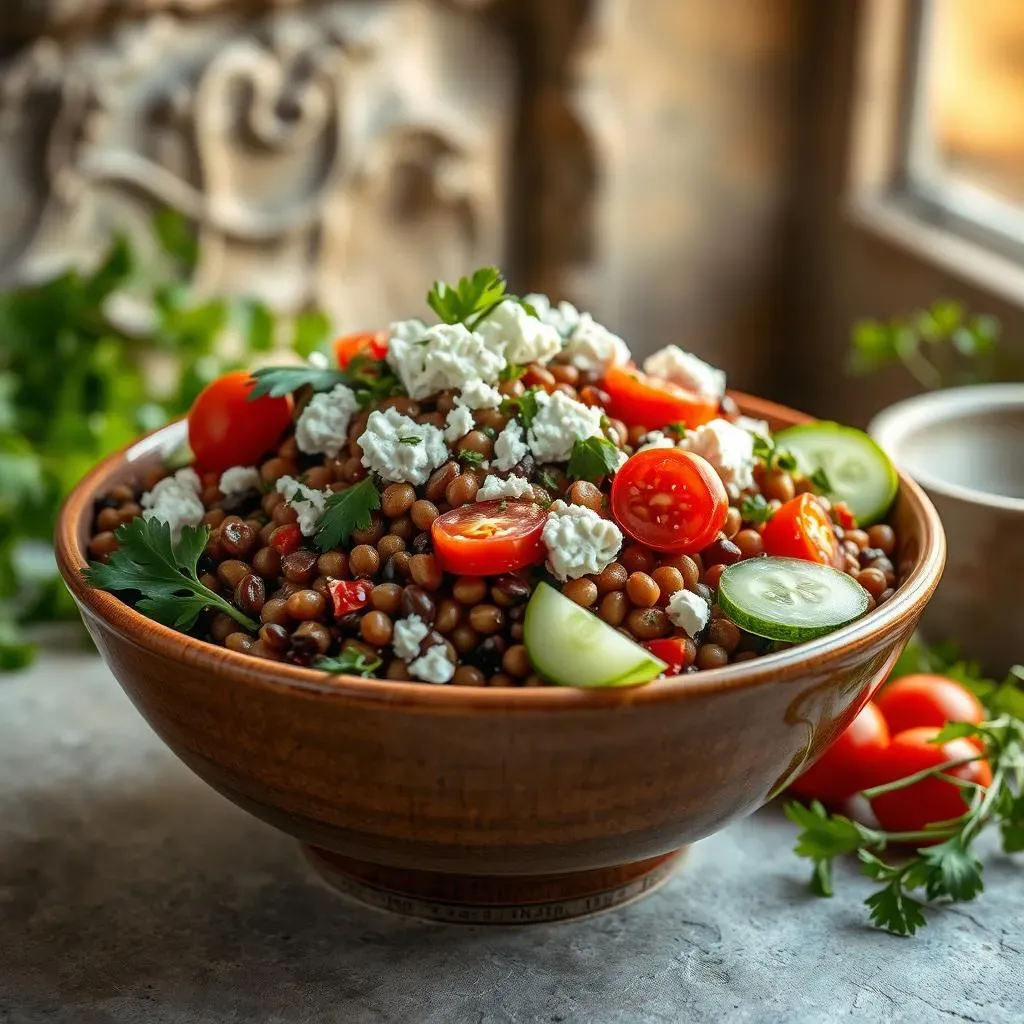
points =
(308, 502)
(560, 422)
(729, 449)
(175, 501)
(475, 394)
(689, 611)
(408, 634)
(458, 424)
(441, 358)
(579, 541)
(397, 448)
(433, 667)
(563, 317)
(655, 439)
(239, 480)
(322, 427)
(509, 449)
(514, 487)
(686, 370)
(521, 337)
(587, 345)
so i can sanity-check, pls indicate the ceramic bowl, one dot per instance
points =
(965, 447)
(494, 805)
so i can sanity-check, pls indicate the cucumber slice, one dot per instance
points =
(570, 646)
(789, 599)
(858, 470)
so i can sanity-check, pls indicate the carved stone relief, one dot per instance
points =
(337, 156)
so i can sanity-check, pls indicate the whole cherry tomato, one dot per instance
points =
(670, 500)
(927, 700)
(930, 800)
(802, 529)
(371, 343)
(226, 429)
(640, 400)
(487, 538)
(850, 764)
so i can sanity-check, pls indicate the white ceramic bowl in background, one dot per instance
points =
(965, 447)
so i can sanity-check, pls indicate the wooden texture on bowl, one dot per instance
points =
(494, 783)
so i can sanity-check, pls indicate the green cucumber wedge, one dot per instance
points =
(570, 646)
(859, 472)
(789, 599)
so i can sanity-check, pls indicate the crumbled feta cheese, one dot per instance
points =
(433, 667)
(239, 480)
(686, 370)
(509, 449)
(475, 394)
(514, 487)
(579, 541)
(308, 502)
(753, 426)
(175, 501)
(458, 424)
(592, 348)
(319, 360)
(518, 336)
(689, 611)
(442, 357)
(407, 330)
(409, 633)
(322, 427)
(400, 449)
(655, 439)
(563, 317)
(728, 448)
(559, 423)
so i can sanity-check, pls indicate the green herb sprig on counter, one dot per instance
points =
(347, 511)
(164, 571)
(593, 459)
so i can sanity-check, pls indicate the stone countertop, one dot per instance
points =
(130, 892)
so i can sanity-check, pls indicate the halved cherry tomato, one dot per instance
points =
(225, 429)
(802, 529)
(927, 700)
(850, 764)
(640, 400)
(489, 537)
(673, 651)
(670, 500)
(371, 343)
(930, 800)
(349, 595)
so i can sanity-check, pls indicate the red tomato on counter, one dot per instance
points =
(927, 700)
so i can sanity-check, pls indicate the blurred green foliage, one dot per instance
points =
(77, 381)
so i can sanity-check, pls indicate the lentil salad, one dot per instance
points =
(500, 499)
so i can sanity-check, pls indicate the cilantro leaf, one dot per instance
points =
(955, 871)
(824, 835)
(893, 909)
(472, 296)
(277, 381)
(592, 459)
(163, 571)
(755, 509)
(347, 511)
(350, 662)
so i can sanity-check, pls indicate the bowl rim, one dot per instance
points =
(144, 633)
(891, 427)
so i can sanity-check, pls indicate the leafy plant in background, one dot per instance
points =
(939, 346)
(78, 380)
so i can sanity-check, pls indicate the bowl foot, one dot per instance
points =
(491, 899)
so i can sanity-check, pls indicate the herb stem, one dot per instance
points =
(925, 773)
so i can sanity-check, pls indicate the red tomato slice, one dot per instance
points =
(349, 595)
(643, 401)
(802, 529)
(225, 429)
(670, 500)
(930, 800)
(927, 700)
(371, 343)
(850, 764)
(489, 537)
(673, 651)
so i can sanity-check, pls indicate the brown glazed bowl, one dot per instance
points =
(494, 805)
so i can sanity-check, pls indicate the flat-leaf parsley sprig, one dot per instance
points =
(944, 865)
(164, 571)
(347, 511)
(473, 299)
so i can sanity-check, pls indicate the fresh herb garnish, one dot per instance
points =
(947, 867)
(821, 481)
(277, 381)
(547, 480)
(755, 509)
(347, 511)
(473, 299)
(489, 432)
(524, 408)
(471, 457)
(164, 571)
(592, 459)
(349, 662)
(511, 371)
(412, 439)
(772, 455)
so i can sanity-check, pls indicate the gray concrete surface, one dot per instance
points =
(131, 893)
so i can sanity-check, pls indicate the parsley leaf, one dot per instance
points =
(470, 457)
(955, 871)
(593, 459)
(347, 510)
(678, 429)
(412, 439)
(511, 371)
(772, 455)
(350, 662)
(164, 572)
(472, 296)
(277, 381)
(894, 910)
(755, 509)
(548, 480)
(821, 481)
(524, 408)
